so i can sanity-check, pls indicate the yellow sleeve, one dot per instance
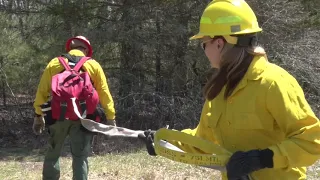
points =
(100, 83)
(43, 90)
(287, 104)
(202, 131)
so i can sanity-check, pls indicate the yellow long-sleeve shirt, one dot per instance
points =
(96, 74)
(268, 109)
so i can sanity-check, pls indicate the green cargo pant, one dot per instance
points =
(80, 149)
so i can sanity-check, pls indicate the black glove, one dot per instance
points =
(243, 163)
(147, 137)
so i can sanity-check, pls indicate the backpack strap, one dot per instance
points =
(82, 103)
(80, 63)
(63, 110)
(63, 62)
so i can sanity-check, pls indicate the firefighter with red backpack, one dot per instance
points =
(72, 75)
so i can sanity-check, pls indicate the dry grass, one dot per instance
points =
(130, 163)
(136, 165)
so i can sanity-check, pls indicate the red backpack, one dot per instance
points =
(72, 84)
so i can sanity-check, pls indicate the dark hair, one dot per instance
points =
(235, 62)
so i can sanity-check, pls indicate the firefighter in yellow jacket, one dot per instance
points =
(253, 108)
(80, 139)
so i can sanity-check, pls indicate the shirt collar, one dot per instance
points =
(256, 68)
(254, 72)
(76, 52)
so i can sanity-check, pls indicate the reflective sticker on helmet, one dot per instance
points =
(205, 20)
(235, 28)
(228, 19)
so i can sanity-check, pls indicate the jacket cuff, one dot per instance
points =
(37, 115)
(279, 161)
(38, 111)
(266, 158)
(110, 117)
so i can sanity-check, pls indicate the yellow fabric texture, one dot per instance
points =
(96, 74)
(268, 109)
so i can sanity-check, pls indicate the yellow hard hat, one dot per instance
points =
(225, 18)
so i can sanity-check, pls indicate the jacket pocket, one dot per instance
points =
(250, 121)
(213, 119)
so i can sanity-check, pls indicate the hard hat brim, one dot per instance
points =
(197, 36)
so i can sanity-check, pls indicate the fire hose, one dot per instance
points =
(216, 158)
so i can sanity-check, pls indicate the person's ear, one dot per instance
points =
(220, 43)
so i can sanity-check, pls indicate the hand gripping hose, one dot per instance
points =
(216, 157)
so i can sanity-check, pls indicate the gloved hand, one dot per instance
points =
(38, 124)
(243, 163)
(148, 138)
(111, 122)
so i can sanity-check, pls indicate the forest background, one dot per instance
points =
(155, 74)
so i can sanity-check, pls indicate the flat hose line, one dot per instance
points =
(216, 157)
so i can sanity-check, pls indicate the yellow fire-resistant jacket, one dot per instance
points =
(96, 75)
(268, 109)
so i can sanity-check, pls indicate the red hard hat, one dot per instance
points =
(82, 39)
